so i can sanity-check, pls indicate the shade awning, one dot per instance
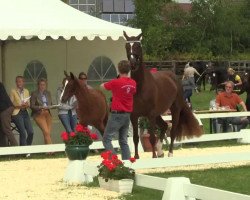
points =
(53, 18)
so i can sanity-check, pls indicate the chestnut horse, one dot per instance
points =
(156, 93)
(92, 104)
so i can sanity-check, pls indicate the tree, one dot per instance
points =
(213, 28)
(149, 19)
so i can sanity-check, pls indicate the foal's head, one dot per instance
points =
(69, 88)
(134, 50)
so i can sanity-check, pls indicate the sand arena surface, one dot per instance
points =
(42, 179)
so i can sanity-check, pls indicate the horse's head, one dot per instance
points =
(134, 50)
(69, 87)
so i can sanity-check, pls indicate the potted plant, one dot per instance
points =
(144, 135)
(77, 143)
(114, 175)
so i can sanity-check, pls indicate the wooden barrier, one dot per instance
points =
(242, 136)
(180, 188)
(56, 148)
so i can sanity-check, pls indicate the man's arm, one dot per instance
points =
(238, 79)
(197, 72)
(243, 106)
(102, 86)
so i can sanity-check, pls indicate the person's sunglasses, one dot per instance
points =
(83, 78)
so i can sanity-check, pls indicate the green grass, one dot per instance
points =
(231, 179)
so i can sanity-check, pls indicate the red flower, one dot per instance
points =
(105, 162)
(86, 130)
(106, 154)
(65, 136)
(132, 160)
(114, 157)
(118, 162)
(111, 167)
(79, 128)
(93, 136)
(72, 134)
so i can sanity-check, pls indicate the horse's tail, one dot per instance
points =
(188, 125)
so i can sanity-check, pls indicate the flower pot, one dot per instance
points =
(121, 186)
(77, 152)
(146, 145)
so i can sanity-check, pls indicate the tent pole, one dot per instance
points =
(66, 56)
(2, 70)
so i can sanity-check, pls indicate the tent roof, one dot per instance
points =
(53, 18)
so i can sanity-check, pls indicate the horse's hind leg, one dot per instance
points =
(163, 126)
(175, 111)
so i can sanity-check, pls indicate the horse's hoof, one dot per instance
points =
(170, 154)
(136, 157)
(161, 156)
(154, 156)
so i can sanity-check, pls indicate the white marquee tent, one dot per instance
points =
(41, 22)
(53, 18)
(57, 36)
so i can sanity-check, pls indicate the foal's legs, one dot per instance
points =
(163, 126)
(152, 137)
(134, 121)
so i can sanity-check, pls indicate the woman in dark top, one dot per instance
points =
(6, 110)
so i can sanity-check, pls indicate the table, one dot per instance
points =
(209, 114)
(212, 112)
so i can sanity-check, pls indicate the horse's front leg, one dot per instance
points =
(134, 121)
(152, 137)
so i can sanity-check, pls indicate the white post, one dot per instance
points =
(75, 173)
(174, 189)
(245, 136)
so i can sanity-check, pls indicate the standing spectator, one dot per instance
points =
(67, 111)
(6, 110)
(235, 78)
(122, 90)
(83, 78)
(188, 86)
(20, 99)
(189, 72)
(39, 104)
(231, 100)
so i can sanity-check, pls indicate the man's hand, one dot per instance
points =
(102, 86)
(25, 105)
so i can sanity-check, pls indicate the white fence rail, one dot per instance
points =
(180, 188)
(243, 136)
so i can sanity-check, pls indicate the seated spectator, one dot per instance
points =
(67, 111)
(20, 99)
(39, 104)
(6, 110)
(231, 100)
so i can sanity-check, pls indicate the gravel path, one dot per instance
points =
(41, 179)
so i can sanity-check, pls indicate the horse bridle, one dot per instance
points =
(66, 82)
(131, 44)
